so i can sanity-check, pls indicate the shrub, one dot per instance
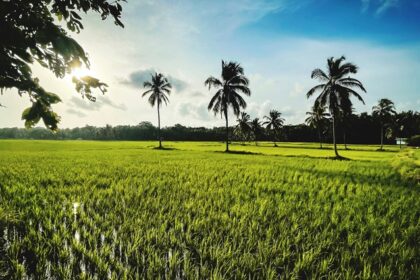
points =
(414, 141)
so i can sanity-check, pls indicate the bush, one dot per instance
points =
(414, 141)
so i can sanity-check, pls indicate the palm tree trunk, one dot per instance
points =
(160, 139)
(382, 137)
(334, 141)
(227, 131)
(320, 139)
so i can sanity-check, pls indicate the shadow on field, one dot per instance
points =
(338, 158)
(393, 180)
(305, 146)
(165, 149)
(385, 151)
(313, 157)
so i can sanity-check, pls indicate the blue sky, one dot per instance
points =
(387, 22)
(278, 43)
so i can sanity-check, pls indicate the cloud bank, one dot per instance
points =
(138, 77)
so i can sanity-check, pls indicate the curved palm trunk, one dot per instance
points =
(227, 131)
(334, 141)
(160, 138)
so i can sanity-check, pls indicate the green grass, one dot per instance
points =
(81, 209)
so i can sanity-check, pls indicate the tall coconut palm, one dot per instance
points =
(243, 127)
(274, 123)
(316, 119)
(229, 88)
(256, 129)
(158, 88)
(336, 88)
(384, 111)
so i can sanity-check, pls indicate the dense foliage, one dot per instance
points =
(414, 141)
(30, 33)
(131, 212)
(361, 128)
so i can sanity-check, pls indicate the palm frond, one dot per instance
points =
(314, 89)
(351, 83)
(344, 90)
(146, 92)
(239, 80)
(213, 82)
(152, 100)
(147, 84)
(244, 89)
(319, 74)
(215, 98)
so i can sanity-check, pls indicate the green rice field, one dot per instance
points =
(124, 210)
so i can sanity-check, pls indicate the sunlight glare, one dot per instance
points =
(81, 72)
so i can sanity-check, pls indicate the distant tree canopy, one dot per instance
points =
(362, 129)
(30, 33)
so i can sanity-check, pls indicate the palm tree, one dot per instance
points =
(256, 129)
(274, 122)
(336, 88)
(243, 127)
(229, 87)
(158, 88)
(316, 118)
(384, 111)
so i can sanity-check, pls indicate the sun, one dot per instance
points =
(81, 72)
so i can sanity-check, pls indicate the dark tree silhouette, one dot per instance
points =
(158, 88)
(363, 131)
(274, 123)
(30, 33)
(336, 88)
(384, 111)
(232, 83)
(243, 127)
(316, 119)
(257, 129)
(344, 115)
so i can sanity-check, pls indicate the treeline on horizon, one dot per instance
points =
(358, 129)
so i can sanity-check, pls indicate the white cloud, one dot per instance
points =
(365, 5)
(101, 101)
(75, 112)
(297, 90)
(195, 112)
(138, 77)
(200, 16)
(386, 5)
(259, 110)
(380, 6)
